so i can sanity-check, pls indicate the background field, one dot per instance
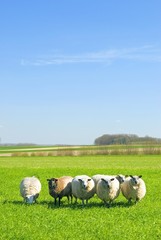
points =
(35, 150)
(45, 221)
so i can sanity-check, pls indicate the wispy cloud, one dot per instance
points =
(144, 53)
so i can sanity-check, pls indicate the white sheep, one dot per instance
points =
(108, 189)
(83, 187)
(133, 188)
(121, 178)
(30, 188)
(97, 177)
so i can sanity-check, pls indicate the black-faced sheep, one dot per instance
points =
(60, 187)
(97, 177)
(83, 187)
(133, 188)
(108, 189)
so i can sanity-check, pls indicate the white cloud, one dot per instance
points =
(144, 53)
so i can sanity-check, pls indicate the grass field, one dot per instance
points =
(36, 150)
(43, 220)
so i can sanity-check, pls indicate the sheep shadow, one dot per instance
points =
(90, 205)
(72, 206)
(15, 202)
(19, 202)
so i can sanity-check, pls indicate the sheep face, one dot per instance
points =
(120, 178)
(84, 183)
(29, 199)
(135, 180)
(52, 183)
(107, 183)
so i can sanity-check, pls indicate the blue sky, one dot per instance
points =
(71, 71)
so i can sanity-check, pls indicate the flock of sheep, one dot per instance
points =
(83, 187)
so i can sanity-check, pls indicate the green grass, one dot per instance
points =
(45, 221)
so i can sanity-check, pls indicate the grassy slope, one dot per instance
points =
(95, 221)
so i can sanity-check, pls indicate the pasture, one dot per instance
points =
(95, 221)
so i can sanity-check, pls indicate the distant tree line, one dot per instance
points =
(114, 139)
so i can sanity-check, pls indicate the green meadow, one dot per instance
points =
(43, 220)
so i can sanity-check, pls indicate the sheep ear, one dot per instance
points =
(55, 179)
(140, 176)
(89, 179)
(131, 176)
(112, 179)
(80, 180)
(103, 180)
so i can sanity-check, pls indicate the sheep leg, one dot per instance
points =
(59, 201)
(55, 201)
(136, 201)
(75, 200)
(129, 201)
(110, 203)
(106, 203)
(68, 199)
(71, 199)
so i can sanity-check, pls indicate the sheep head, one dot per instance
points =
(52, 183)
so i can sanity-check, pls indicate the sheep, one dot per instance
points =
(120, 178)
(108, 189)
(30, 188)
(97, 177)
(133, 188)
(83, 187)
(60, 187)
